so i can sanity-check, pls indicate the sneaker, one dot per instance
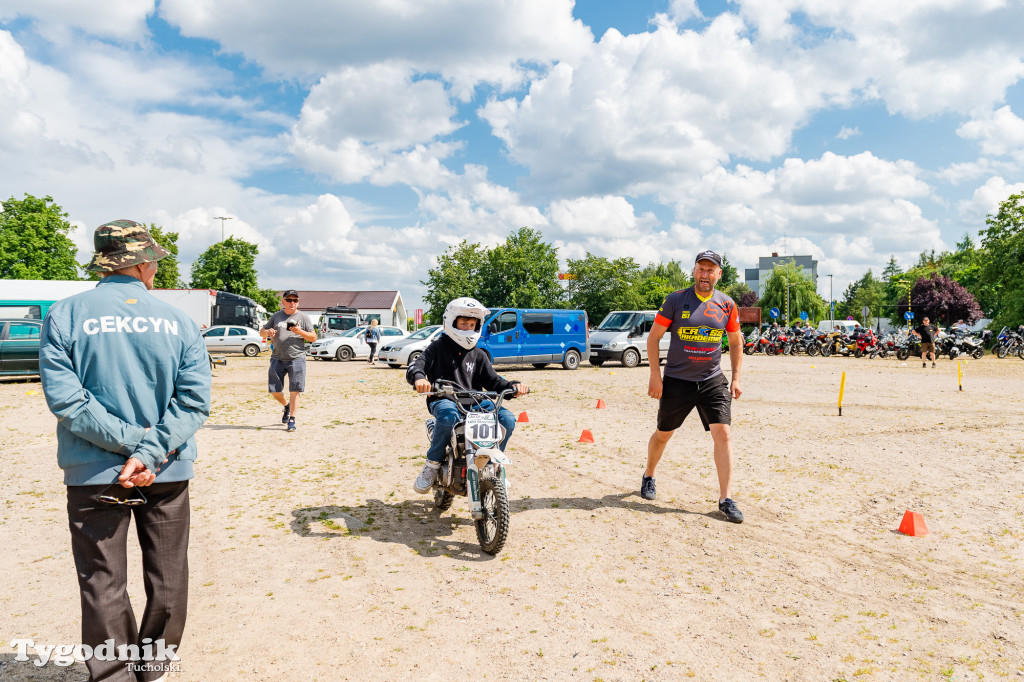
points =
(731, 511)
(647, 488)
(933, 365)
(284, 416)
(924, 364)
(291, 424)
(426, 478)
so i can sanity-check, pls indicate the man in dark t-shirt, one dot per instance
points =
(696, 318)
(927, 333)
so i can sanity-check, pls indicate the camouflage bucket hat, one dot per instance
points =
(122, 244)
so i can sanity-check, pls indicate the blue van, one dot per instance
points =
(539, 337)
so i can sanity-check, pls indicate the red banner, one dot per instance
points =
(419, 316)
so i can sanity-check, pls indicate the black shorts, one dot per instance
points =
(712, 398)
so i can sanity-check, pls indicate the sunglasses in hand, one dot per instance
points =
(108, 496)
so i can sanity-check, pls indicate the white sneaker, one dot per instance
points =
(426, 478)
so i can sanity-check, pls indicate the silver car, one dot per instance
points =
(404, 351)
(351, 344)
(230, 338)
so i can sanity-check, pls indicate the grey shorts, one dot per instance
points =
(296, 371)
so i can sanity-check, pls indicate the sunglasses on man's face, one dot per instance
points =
(291, 300)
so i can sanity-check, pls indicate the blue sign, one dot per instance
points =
(909, 315)
(803, 315)
(832, 305)
(774, 312)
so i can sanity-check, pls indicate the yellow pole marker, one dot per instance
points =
(842, 385)
(960, 374)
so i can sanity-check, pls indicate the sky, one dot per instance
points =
(355, 141)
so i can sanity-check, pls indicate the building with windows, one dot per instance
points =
(755, 278)
(386, 306)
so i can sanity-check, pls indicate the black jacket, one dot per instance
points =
(445, 359)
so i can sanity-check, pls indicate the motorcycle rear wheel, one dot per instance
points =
(902, 354)
(858, 352)
(813, 349)
(978, 353)
(748, 350)
(492, 530)
(787, 348)
(770, 349)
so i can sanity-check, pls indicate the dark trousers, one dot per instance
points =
(373, 349)
(99, 542)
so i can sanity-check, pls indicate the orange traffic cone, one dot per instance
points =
(913, 524)
(586, 437)
(523, 418)
(600, 404)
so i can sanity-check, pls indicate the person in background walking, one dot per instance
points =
(926, 332)
(372, 339)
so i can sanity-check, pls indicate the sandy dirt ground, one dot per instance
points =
(313, 559)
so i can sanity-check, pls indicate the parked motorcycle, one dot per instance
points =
(474, 466)
(756, 343)
(911, 346)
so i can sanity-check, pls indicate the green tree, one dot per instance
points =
(456, 274)
(1004, 242)
(230, 266)
(34, 241)
(599, 285)
(167, 275)
(730, 275)
(802, 293)
(672, 273)
(867, 291)
(736, 291)
(521, 273)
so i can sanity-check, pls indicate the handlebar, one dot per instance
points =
(458, 394)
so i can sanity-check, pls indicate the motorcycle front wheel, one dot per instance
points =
(902, 354)
(492, 530)
(442, 500)
(1001, 353)
(978, 353)
(813, 349)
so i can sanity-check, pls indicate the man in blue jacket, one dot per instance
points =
(128, 378)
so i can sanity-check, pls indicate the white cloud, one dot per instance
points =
(985, 201)
(648, 106)
(1000, 133)
(355, 123)
(465, 40)
(124, 19)
(845, 133)
(608, 216)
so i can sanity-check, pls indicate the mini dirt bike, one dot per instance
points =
(474, 466)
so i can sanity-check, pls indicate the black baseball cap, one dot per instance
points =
(709, 255)
(290, 294)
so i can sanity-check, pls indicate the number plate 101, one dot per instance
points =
(483, 429)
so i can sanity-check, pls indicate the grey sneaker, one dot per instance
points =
(731, 511)
(291, 424)
(647, 488)
(426, 478)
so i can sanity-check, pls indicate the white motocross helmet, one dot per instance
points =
(464, 307)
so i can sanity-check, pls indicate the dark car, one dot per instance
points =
(19, 347)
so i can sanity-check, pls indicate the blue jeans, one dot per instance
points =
(446, 414)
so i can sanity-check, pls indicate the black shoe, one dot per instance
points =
(731, 511)
(647, 488)
(291, 424)
(924, 364)
(284, 417)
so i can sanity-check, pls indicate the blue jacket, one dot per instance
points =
(113, 361)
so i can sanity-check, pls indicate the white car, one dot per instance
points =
(230, 338)
(351, 344)
(404, 351)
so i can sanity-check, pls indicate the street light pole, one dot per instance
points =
(831, 305)
(221, 218)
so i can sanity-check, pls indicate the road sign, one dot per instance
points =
(865, 311)
(803, 315)
(850, 318)
(774, 312)
(909, 315)
(832, 305)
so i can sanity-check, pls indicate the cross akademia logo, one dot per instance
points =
(66, 654)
